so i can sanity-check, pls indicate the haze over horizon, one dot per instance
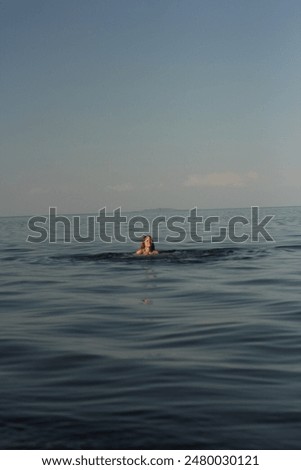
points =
(149, 104)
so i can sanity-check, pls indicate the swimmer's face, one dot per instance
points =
(148, 242)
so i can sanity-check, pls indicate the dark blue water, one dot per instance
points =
(197, 348)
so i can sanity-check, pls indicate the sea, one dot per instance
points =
(198, 347)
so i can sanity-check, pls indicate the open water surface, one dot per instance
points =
(196, 348)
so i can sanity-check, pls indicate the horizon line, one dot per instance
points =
(149, 210)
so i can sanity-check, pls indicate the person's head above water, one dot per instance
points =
(147, 246)
(147, 242)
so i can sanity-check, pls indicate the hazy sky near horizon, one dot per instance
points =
(149, 103)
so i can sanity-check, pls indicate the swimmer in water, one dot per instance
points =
(147, 246)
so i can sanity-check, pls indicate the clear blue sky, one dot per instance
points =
(144, 104)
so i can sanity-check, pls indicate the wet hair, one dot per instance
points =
(152, 247)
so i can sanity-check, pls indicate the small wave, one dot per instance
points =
(169, 256)
(289, 247)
